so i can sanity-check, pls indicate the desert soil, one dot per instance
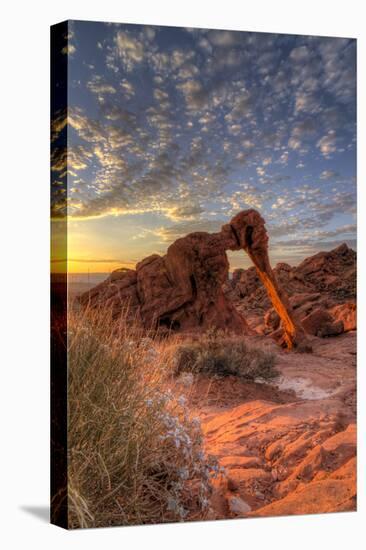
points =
(289, 446)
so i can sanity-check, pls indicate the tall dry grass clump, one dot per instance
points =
(220, 354)
(135, 454)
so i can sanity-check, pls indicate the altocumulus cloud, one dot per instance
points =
(173, 123)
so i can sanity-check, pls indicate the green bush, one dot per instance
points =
(218, 354)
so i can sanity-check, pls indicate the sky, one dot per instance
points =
(174, 130)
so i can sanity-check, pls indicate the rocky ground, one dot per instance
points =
(321, 290)
(288, 447)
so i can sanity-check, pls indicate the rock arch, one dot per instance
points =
(183, 289)
(250, 235)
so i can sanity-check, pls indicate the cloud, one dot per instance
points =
(129, 50)
(160, 95)
(327, 144)
(294, 143)
(78, 157)
(301, 134)
(69, 49)
(306, 102)
(283, 158)
(300, 54)
(328, 175)
(235, 129)
(99, 87)
(58, 123)
(185, 212)
(339, 61)
(279, 202)
(299, 249)
(129, 178)
(108, 159)
(193, 113)
(186, 71)
(247, 197)
(73, 159)
(194, 94)
(114, 112)
(149, 33)
(179, 57)
(342, 230)
(127, 88)
(224, 38)
(171, 233)
(240, 106)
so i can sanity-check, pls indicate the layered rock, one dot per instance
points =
(347, 314)
(251, 235)
(320, 323)
(324, 282)
(288, 446)
(184, 289)
(179, 291)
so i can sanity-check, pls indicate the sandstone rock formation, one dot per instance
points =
(184, 289)
(179, 291)
(326, 281)
(347, 314)
(288, 446)
(251, 235)
(320, 323)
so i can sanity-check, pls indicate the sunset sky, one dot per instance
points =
(175, 130)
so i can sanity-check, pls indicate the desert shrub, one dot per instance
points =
(134, 453)
(219, 354)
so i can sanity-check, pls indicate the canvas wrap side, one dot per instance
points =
(59, 496)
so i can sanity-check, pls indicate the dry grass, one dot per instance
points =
(217, 353)
(135, 454)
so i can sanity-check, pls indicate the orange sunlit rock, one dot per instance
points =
(183, 290)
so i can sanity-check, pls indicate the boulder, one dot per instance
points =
(320, 323)
(304, 298)
(347, 314)
(272, 320)
(238, 506)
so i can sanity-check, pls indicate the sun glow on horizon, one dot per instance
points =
(183, 130)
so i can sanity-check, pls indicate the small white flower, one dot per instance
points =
(201, 456)
(188, 440)
(182, 512)
(182, 400)
(186, 379)
(204, 503)
(196, 421)
(172, 504)
(183, 473)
